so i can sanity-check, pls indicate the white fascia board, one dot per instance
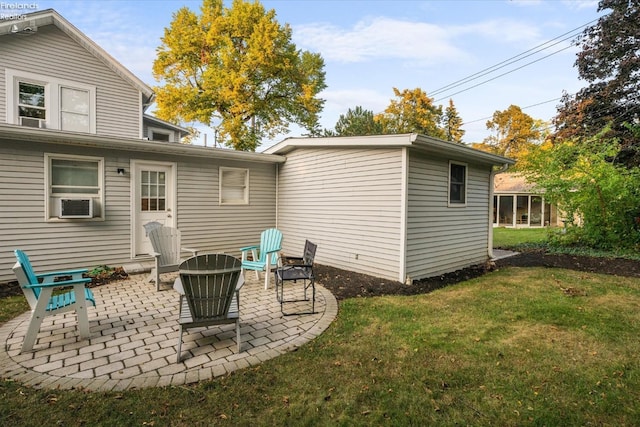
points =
(369, 141)
(47, 136)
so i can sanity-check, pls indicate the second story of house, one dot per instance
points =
(53, 77)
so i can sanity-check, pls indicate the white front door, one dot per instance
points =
(153, 200)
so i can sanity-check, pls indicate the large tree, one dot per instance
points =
(609, 62)
(356, 122)
(412, 112)
(452, 123)
(514, 133)
(237, 68)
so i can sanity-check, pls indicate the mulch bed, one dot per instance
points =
(347, 284)
(118, 273)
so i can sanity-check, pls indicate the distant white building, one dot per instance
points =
(516, 204)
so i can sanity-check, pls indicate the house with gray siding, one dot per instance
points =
(402, 207)
(83, 167)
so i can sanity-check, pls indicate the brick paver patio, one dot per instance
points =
(134, 334)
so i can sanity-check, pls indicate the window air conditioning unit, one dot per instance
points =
(32, 122)
(76, 208)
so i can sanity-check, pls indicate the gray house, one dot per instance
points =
(403, 207)
(83, 168)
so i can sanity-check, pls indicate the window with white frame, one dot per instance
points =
(75, 178)
(457, 184)
(45, 102)
(156, 134)
(234, 186)
(31, 104)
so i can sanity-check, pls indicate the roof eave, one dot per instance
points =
(51, 17)
(419, 142)
(47, 136)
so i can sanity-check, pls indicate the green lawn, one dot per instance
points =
(534, 346)
(514, 238)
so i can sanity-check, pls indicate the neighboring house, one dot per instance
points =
(402, 207)
(517, 204)
(83, 168)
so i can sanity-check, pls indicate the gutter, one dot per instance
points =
(12, 133)
(491, 207)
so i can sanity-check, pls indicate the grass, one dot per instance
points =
(522, 239)
(517, 238)
(518, 346)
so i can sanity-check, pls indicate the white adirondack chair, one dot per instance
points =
(167, 251)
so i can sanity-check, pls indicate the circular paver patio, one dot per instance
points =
(134, 334)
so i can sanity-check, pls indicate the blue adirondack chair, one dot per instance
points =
(265, 256)
(38, 289)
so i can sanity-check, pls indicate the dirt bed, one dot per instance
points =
(345, 284)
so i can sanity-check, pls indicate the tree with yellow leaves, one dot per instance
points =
(412, 112)
(515, 133)
(238, 68)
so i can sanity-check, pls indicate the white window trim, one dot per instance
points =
(50, 199)
(160, 131)
(466, 185)
(52, 97)
(221, 183)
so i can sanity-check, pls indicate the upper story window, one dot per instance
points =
(457, 184)
(156, 134)
(46, 102)
(31, 104)
(74, 110)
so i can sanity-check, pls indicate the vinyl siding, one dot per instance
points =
(79, 244)
(50, 52)
(348, 202)
(207, 225)
(441, 239)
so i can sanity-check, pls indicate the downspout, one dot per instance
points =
(491, 207)
(277, 191)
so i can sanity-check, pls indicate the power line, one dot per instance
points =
(569, 34)
(502, 75)
(522, 108)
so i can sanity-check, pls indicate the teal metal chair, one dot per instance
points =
(38, 289)
(265, 256)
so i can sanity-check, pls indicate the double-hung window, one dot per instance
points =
(32, 109)
(75, 109)
(234, 186)
(73, 177)
(457, 184)
(45, 102)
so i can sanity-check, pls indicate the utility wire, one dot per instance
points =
(563, 37)
(522, 108)
(501, 75)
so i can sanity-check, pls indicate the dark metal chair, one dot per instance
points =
(294, 269)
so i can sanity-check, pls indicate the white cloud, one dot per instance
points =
(339, 101)
(418, 43)
(501, 30)
(379, 38)
(582, 4)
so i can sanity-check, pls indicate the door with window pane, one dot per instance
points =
(154, 198)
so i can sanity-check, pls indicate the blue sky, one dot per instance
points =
(371, 46)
